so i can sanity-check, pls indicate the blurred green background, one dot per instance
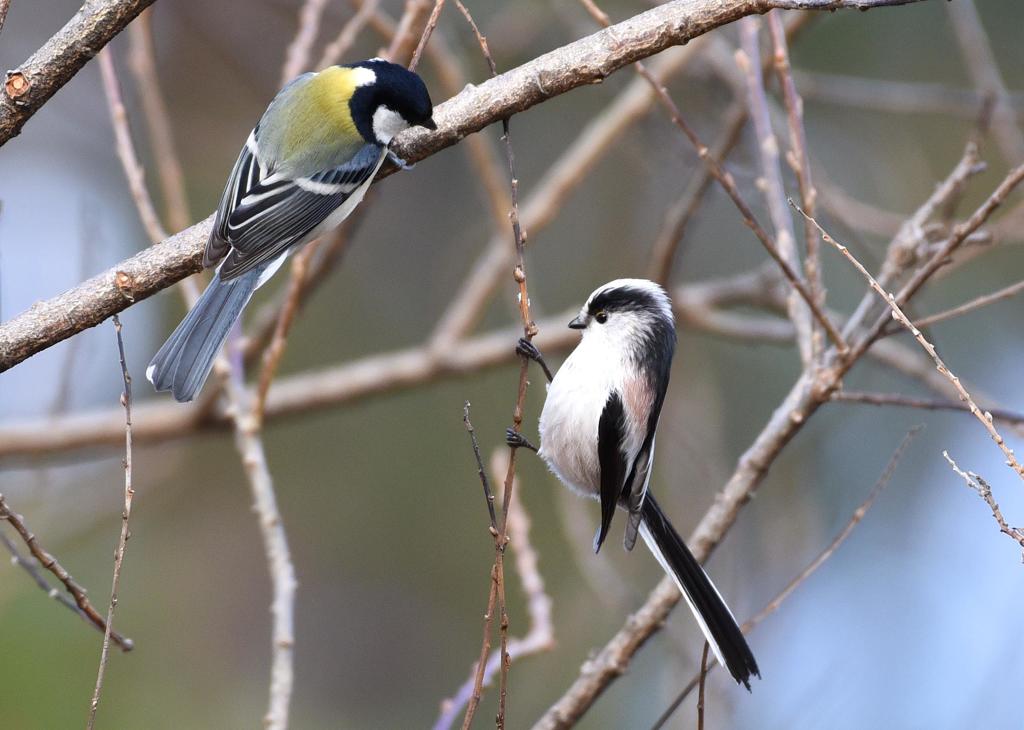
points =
(915, 622)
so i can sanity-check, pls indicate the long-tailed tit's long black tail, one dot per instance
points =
(183, 363)
(714, 617)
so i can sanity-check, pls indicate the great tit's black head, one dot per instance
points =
(396, 100)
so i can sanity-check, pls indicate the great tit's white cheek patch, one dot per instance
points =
(387, 123)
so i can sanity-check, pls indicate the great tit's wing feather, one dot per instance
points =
(243, 176)
(269, 214)
(612, 461)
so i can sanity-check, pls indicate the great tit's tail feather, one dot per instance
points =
(184, 362)
(715, 618)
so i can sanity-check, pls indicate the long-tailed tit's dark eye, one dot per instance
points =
(601, 317)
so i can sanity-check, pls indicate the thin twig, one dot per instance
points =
(275, 350)
(249, 443)
(728, 183)
(775, 603)
(799, 158)
(336, 49)
(896, 97)
(902, 251)
(677, 218)
(435, 15)
(297, 56)
(553, 188)
(126, 151)
(529, 330)
(979, 485)
(967, 307)
(129, 492)
(142, 64)
(748, 58)
(1013, 418)
(49, 562)
(409, 31)
(700, 690)
(31, 566)
(5, 5)
(485, 648)
(984, 71)
(541, 636)
(481, 472)
(984, 418)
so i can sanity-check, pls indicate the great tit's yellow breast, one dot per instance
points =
(322, 116)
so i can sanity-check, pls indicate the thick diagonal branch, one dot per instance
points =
(586, 61)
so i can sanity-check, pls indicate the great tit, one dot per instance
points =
(598, 429)
(304, 168)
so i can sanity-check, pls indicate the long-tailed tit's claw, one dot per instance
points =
(525, 348)
(516, 440)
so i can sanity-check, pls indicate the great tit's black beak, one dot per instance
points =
(429, 124)
(579, 323)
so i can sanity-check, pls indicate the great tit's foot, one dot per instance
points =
(525, 348)
(399, 162)
(516, 440)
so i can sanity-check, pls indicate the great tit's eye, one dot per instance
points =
(601, 317)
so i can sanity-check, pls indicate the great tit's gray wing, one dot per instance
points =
(264, 213)
(610, 431)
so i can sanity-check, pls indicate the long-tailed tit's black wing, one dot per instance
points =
(640, 476)
(263, 214)
(613, 462)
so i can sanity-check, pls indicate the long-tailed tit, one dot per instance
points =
(598, 430)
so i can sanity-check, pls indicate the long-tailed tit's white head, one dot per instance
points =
(633, 316)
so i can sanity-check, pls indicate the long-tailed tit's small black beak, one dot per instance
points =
(429, 124)
(579, 323)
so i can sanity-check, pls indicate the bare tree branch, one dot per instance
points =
(1013, 418)
(697, 304)
(31, 84)
(129, 492)
(298, 53)
(126, 150)
(5, 5)
(142, 64)
(576, 64)
(984, 71)
(984, 418)
(773, 188)
(977, 303)
(984, 491)
(49, 562)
